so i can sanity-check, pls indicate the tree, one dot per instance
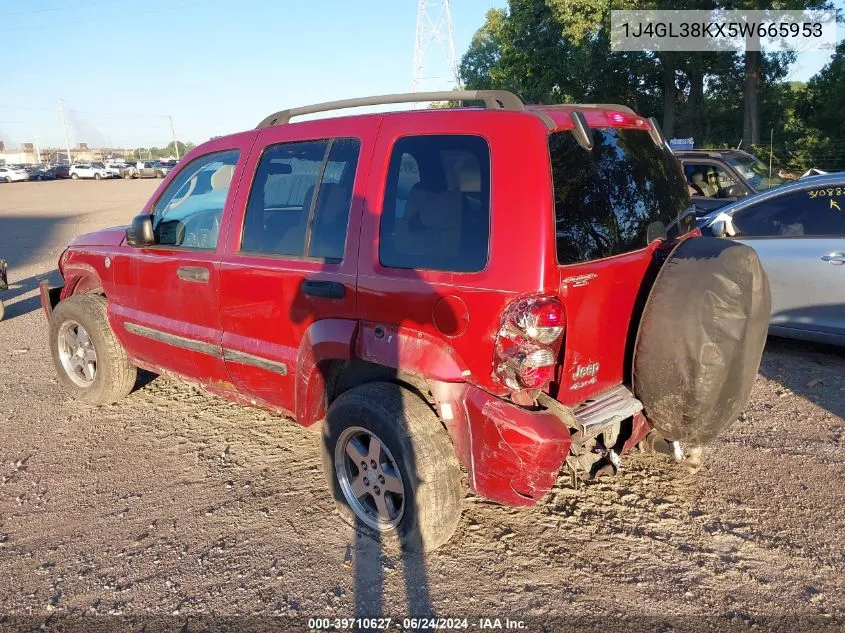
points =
(825, 94)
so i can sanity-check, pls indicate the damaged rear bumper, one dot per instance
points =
(513, 454)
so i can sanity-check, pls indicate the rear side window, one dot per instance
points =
(606, 198)
(436, 213)
(300, 199)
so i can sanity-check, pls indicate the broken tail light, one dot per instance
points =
(528, 343)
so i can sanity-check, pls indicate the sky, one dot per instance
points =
(214, 66)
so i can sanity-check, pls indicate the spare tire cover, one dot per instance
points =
(701, 338)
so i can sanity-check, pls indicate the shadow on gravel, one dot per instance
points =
(25, 238)
(20, 287)
(811, 370)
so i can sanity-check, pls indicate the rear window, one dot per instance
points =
(606, 198)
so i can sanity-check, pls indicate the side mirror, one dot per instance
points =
(140, 233)
(719, 228)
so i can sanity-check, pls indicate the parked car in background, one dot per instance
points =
(434, 288)
(127, 171)
(111, 170)
(152, 169)
(88, 171)
(798, 230)
(40, 173)
(60, 171)
(720, 176)
(13, 174)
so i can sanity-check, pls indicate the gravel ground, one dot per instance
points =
(176, 505)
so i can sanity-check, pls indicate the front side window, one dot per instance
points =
(300, 199)
(189, 212)
(606, 198)
(436, 213)
(813, 213)
(709, 180)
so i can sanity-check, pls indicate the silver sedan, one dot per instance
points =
(798, 230)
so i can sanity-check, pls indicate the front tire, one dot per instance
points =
(90, 362)
(391, 467)
(97, 176)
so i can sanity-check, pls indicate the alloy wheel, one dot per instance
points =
(369, 478)
(77, 353)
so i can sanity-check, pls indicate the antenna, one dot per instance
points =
(434, 29)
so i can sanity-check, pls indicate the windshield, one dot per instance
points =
(606, 198)
(755, 172)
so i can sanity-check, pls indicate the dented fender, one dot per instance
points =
(410, 350)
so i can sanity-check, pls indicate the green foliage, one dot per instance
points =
(558, 51)
(154, 153)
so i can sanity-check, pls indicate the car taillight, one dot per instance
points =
(528, 343)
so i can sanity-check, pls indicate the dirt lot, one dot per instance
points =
(176, 504)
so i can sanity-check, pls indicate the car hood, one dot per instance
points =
(106, 237)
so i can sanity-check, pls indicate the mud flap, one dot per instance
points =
(701, 338)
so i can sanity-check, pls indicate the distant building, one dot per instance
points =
(25, 154)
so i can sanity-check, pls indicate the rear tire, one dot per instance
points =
(81, 323)
(417, 457)
(74, 177)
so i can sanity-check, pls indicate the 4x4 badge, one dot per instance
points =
(580, 280)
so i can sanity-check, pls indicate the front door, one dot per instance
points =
(164, 304)
(290, 256)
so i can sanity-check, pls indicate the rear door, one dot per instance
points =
(604, 200)
(290, 257)
(800, 238)
(165, 298)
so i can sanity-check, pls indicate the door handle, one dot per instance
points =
(324, 289)
(836, 259)
(198, 274)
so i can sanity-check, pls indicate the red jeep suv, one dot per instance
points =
(490, 288)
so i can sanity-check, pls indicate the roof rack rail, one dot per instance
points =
(587, 106)
(493, 100)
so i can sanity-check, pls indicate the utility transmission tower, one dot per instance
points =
(434, 31)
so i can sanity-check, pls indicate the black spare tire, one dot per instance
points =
(701, 338)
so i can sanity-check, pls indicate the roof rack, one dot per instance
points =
(493, 100)
(593, 106)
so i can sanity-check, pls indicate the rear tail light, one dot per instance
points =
(528, 343)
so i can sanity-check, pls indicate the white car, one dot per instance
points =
(8, 174)
(113, 170)
(88, 171)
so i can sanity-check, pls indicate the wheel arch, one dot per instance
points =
(81, 278)
(336, 355)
